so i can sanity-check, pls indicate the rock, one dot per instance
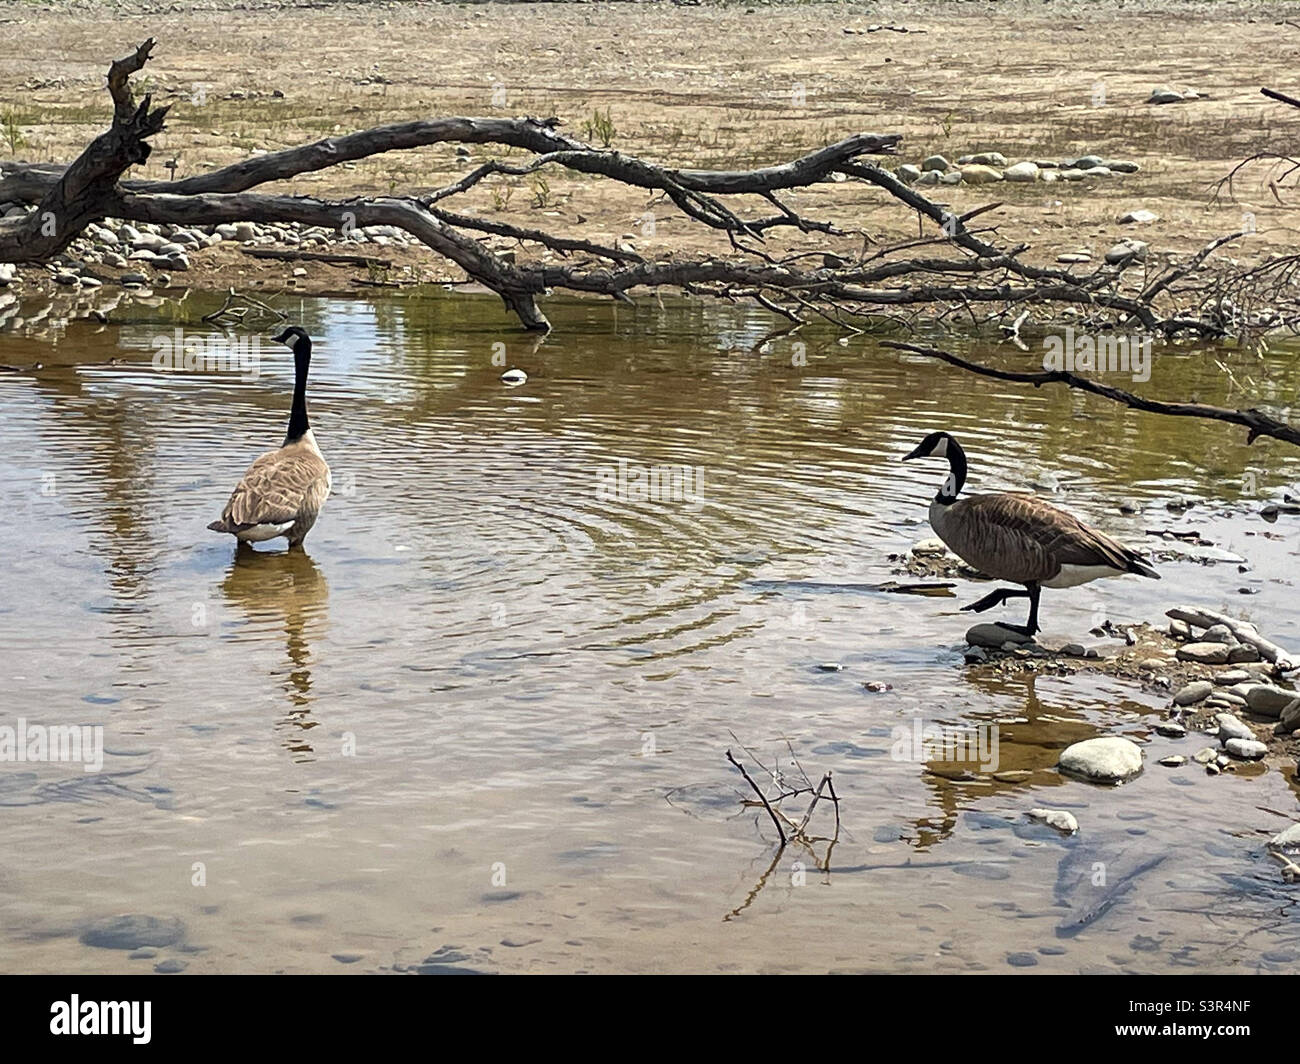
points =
(170, 967)
(1287, 841)
(1246, 749)
(132, 931)
(1109, 759)
(830, 666)
(1165, 95)
(1204, 653)
(1171, 729)
(1097, 171)
(1230, 676)
(1127, 251)
(66, 278)
(91, 282)
(936, 162)
(143, 255)
(953, 177)
(1138, 217)
(7, 273)
(113, 259)
(1021, 172)
(1074, 256)
(133, 278)
(1071, 174)
(1289, 718)
(299, 271)
(1267, 700)
(149, 242)
(1121, 166)
(1242, 653)
(244, 231)
(929, 177)
(1086, 162)
(226, 231)
(1231, 727)
(1205, 755)
(175, 262)
(1219, 633)
(907, 173)
(930, 548)
(1074, 650)
(975, 655)
(1047, 176)
(172, 248)
(1196, 691)
(1056, 818)
(1173, 761)
(989, 158)
(995, 636)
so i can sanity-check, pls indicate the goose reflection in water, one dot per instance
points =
(283, 591)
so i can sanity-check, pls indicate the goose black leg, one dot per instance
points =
(994, 598)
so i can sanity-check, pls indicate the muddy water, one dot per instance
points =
(481, 723)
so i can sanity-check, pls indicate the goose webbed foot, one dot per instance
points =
(994, 598)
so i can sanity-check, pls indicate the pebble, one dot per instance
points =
(1171, 729)
(1289, 718)
(1021, 172)
(1127, 251)
(1056, 818)
(1219, 633)
(1231, 727)
(172, 967)
(976, 655)
(1196, 691)
(1204, 653)
(1074, 650)
(7, 273)
(1138, 217)
(1205, 755)
(1173, 761)
(1165, 95)
(1121, 166)
(1108, 759)
(976, 174)
(1074, 256)
(831, 666)
(988, 158)
(935, 162)
(1246, 749)
(1287, 841)
(907, 173)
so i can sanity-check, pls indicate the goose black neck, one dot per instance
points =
(951, 487)
(298, 414)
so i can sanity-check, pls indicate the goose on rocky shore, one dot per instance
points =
(283, 491)
(1019, 538)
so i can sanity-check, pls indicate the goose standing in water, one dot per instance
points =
(283, 491)
(1019, 538)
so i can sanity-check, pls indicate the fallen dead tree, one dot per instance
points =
(949, 269)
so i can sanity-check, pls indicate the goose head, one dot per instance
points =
(292, 337)
(934, 445)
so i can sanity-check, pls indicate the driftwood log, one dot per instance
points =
(949, 269)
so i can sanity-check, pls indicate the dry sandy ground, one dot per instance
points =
(713, 85)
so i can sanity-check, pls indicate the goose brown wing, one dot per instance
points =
(278, 487)
(1021, 538)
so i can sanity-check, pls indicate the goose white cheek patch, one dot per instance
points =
(940, 449)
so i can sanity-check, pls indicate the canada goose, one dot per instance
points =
(1019, 537)
(283, 491)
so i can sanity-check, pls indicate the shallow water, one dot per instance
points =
(481, 723)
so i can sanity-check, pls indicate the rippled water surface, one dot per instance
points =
(481, 722)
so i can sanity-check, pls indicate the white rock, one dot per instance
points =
(1204, 653)
(1196, 691)
(1246, 749)
(1108, 759)
(1230, 727)
(1139, 217)
(1056, 818)
(1021, 172)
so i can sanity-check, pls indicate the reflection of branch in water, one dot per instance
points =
(797, 831)
(288, 588)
